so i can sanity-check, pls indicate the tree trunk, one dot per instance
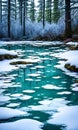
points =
(9, 13)
(43, 13)
(68, 30)
(15, 10)
(20, 12)
(50, 11)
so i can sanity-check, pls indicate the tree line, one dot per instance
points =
(45, 11)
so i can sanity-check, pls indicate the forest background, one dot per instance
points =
(38, 19)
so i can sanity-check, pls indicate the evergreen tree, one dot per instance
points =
(56, 11)
(40, 10)
(32, 10)
(20, 11)
(48, 10)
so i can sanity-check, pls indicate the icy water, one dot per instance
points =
(47, 96)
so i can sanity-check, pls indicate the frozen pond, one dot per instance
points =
(38, 96)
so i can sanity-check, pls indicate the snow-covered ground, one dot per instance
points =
(71, 57)
(5, 64)
(72, 43)
(8, 66)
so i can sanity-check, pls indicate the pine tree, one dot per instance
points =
(40, 10)
(48, 10)
(56, 11)
(32, 10)
(41, 16)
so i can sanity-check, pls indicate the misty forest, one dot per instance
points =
(38, 64)
(38, 19)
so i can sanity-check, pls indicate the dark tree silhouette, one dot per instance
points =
(68, 30)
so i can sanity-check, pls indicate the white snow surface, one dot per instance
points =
(24, 124)
(72, 43)
(4, 51)
(13, 67)
(7, 64)
(6, 113)
(67, 116)
(71, 57)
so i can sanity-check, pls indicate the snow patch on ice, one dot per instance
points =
(8, 66)
(6, 113)
(67, 116)
(4, 51)
(24, 124)
(48, 106)
(49, 86)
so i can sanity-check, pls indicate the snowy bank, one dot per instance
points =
(8, 66)
(24, 124)
(4, 51)
(5, 54)
(69, 60)
(71, 57)
(72, 43)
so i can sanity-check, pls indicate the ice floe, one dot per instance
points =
(24, 124)
(6, 113)
(66, 116)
